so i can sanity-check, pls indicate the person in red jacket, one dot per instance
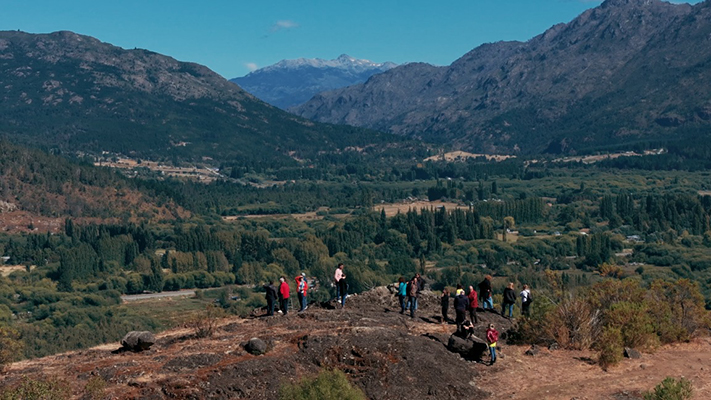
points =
(492, 336)
(473, 304)
(284, 295)
(301, 287)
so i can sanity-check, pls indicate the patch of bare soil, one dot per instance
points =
(575, 375)
(405, 206)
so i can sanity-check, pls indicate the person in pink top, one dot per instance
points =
(337, 278)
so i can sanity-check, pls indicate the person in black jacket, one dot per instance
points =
(461, 303)
(509, 300)
(271, 295)
(343, 290)
(485, 294)
(445, 305)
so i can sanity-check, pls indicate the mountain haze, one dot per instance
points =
(291, 82)
(76, 93)
(627, 70)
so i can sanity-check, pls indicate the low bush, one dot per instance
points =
(670, 389)
(37, 389)
(327, 385)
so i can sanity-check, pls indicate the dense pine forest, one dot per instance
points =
(517, 220)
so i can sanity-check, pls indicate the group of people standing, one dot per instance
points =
(283, 293)
(469, 302)
(407, 293)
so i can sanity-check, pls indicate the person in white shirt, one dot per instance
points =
(526, 301)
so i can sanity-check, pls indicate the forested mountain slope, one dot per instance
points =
(39, 190)
(73, 92)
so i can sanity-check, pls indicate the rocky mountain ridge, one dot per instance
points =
(554, 90)
(291, 82)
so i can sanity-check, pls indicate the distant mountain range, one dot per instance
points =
(74, 93)
(626, 71)
(291, 82)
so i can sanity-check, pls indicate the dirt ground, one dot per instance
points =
(392, 209)
(386, 354)
(573, 375)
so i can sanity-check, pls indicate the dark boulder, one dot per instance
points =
(471, 348)
(137, 341)
(256, 346)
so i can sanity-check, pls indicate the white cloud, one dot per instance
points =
(251, 66)
(284, 25)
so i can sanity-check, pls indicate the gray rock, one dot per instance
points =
(632, 353)
(533, 351)
(256, 346)
(553, 346)
(138, 341)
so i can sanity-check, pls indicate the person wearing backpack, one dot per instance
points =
(526, 301)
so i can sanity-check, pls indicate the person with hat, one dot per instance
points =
(302, 286)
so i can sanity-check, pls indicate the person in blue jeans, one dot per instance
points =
(402, 294)
(412, 296)
(485, 293)
(492, 336)
(509, 300)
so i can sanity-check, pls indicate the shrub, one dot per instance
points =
(205, 323)
(574, 324)
(670, 389)
(37, 389)
(610, 346)
(327, 385)
(95, 388)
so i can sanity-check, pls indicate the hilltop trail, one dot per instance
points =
(388, 355)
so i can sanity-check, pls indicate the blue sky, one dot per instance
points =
(233, 37)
